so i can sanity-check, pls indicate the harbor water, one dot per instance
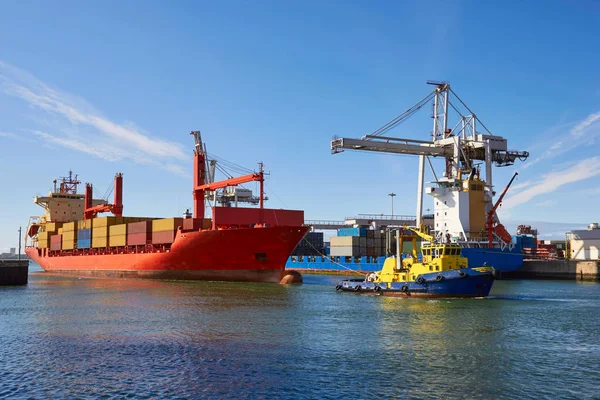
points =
(90, 338)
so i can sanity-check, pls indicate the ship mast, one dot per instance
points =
(199, 174)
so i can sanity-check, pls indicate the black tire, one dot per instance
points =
(420, 279)
(439, 278)
(462, 274)
(357, 288)
(404, 289)
(338, 287)
(377, 288)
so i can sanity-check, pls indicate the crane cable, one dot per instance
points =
(402, 117)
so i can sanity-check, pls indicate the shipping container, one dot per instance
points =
(117, 240)
(43, 244)
(163, 237)
(344, 251)
(85, 234)
(139, 239)
(69, 226)
(55, 246)
(84, 243)
(167, 224)
(370, 234)
(84, 224)
(139, 227)
(55, 238)
(69, 235)
(344, 241)
(60, 231)
(370, 241)
(68, 244)
(45, 235)
(99, 241)
(363, 242)
(100, 232)
(353, 232)
(53, 226)
(194, 224)
(117, 230)
(106, 221)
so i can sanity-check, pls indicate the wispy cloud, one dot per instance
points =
(546, 203)
(584, 169)
(96, 135)
(582, 133)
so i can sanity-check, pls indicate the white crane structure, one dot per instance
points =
(460, 144)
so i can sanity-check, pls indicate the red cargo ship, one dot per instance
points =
(236, 244)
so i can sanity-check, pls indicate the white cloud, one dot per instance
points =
(8, 134)
(546, 203)
(96, 135)
(583, 133)
(584, 169)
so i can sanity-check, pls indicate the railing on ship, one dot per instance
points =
(384, 217)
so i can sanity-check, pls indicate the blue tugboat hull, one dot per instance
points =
(455, 283)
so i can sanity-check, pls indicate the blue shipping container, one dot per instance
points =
(84, 243)
(85, 234)
(362, 232)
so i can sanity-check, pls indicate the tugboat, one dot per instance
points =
(441, 272)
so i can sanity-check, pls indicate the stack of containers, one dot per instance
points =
(164, 230)
(44, 239)
(117, 235)
(69, 236)
(55, 242)
(139, 233)
(84, 234)
(100, 230)
(310, 245)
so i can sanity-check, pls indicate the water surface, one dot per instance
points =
(90, 338)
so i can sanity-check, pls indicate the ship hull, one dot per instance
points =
(244, 255)
(502, 261)
(455, 283)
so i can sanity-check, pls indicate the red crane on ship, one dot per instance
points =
(116, 207)
(201, 186)
(499, 229)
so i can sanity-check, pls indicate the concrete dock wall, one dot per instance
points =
(557, 269)
(14, 272)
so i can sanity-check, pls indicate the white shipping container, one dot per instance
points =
(344, 251)
(345, 241)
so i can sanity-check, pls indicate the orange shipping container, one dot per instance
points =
(163, 237)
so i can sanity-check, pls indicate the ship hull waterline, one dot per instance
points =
(241, 255)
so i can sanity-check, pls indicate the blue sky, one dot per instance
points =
(117, 86)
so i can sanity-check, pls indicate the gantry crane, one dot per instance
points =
(460, 145)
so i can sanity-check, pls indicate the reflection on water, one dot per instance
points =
(69, 337)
